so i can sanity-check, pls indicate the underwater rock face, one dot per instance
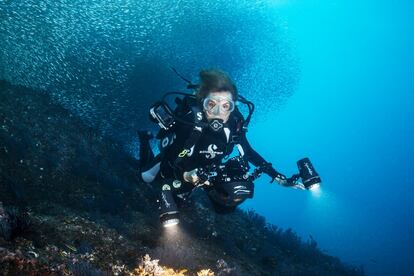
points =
(5, 226)
(100, 59)
(100, 217)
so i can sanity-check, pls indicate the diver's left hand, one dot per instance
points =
(290, 183)
(293, 182)
(281, 179)
(299, 186)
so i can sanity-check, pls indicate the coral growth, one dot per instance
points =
(148, 267)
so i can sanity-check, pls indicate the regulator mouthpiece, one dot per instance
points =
(216, 124)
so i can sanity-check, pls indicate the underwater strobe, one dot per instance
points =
(168, 208)
(310, 178)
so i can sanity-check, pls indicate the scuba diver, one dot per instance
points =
(196, 140)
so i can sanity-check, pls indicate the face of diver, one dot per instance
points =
(218, 105)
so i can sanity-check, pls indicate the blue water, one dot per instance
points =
(331, 80)
(352, 114)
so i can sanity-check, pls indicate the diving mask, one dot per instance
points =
(218, 105)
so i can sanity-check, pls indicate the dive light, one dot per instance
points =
(168, 208)
(310, 178)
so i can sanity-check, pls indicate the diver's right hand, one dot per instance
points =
(191, 176)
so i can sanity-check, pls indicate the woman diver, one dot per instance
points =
(201, 132)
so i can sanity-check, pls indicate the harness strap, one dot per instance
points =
(192, 139)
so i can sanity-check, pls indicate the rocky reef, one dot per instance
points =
(72, 203)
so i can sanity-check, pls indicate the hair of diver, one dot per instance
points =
(192, 86)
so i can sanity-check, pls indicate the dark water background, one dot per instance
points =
(331, 80)
(108, 60)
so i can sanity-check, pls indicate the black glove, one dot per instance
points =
(275, 175)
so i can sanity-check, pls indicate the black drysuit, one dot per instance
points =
(191, 145)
